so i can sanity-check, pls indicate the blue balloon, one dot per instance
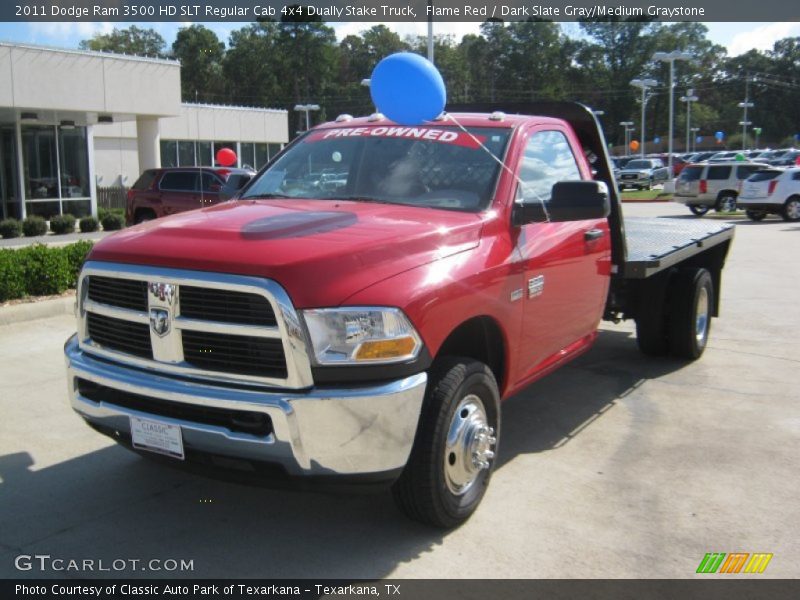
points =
(408, 89)
(719, 135)
(698, 139)
(656, 140)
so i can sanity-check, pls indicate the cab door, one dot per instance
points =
(566, 265)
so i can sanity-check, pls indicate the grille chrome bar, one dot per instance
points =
(126, 314)
(228, 328)
(168, 350)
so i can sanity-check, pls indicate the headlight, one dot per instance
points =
(359, 335)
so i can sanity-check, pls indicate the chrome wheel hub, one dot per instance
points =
(793, 209)
(470, 444)
(701, 319)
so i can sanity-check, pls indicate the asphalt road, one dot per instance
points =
(617, 465)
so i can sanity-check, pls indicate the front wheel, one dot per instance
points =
(699, 209)
(454, 449)
(791, 209)
(755, 215)
(691, 301)
(726, 203)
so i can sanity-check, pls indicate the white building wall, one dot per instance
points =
(116, 156)
(84, 82)
(116, 161)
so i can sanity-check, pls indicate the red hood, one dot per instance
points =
(320, 251)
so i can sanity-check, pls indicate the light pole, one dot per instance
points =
(671, 57)
(628, 125)
(694, 130)
(745, 105)
(645, 85)
(688, 98)
(306, 108)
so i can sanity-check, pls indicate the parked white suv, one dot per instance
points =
(772, 190)
(704, 186)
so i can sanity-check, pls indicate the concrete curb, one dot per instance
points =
(42, 309)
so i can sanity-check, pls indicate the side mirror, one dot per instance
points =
(578, 201)
(569, 201)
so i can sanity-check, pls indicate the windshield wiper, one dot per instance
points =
(264, 196)
(356, 198)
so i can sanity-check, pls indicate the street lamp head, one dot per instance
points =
(672, 56)
(644, 83)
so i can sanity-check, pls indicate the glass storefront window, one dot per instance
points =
(169, 153)
(186, 154)
(9, 186)
(74, 163)
(248, 158)
(40, 164)
(262, 155)
(204, 154)
(273, 150)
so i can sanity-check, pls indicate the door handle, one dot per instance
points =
(593, 234)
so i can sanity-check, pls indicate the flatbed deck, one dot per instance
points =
(655, 244)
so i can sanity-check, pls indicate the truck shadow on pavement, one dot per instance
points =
(112, 504)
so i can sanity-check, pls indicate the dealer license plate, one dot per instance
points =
(156, 436)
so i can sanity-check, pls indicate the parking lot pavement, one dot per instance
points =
(617, 465)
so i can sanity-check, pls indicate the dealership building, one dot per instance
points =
(73, 122)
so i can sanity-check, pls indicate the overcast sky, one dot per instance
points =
(736, 37)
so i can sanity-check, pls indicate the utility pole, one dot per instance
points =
(745, 105)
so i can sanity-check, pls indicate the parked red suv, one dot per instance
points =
(162, 192)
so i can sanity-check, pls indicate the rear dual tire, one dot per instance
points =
(677, 321)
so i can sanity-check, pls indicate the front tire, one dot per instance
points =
(755, 215)
(699, 209)
(726, 203)
(451, 462)
(791, 209)
(691, 301)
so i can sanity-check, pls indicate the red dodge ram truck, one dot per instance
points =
(359, 312)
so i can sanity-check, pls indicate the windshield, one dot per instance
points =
(639, 164)
(438, 167)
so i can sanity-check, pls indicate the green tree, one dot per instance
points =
(249, 67)
(201, 54)
(133, 40)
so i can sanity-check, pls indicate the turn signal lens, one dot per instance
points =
(386, 349)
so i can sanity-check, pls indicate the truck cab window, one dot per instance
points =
(548, 159)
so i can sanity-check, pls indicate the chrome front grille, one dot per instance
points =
(228, 328)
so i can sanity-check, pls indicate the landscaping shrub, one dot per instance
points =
(76, 255)
(46, 270)
(12, 275)
(112, 222)
(10, 228)
(62, 224)
(102, 213)
(40, 270)
(89, 224)
(33, 226)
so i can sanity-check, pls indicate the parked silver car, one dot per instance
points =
(704, 186)
(642, 173)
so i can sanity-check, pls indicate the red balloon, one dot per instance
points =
(226, 157)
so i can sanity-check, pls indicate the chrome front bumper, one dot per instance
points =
(358, 431)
